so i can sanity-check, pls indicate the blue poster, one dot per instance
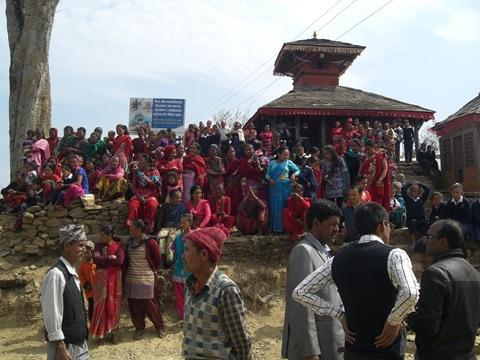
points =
(168, 113)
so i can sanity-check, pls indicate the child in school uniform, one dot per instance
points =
(439, 208)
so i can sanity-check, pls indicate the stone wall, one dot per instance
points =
(39, 233)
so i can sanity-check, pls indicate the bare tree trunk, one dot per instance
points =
(29, 26)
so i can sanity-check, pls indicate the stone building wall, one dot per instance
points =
(40, 234)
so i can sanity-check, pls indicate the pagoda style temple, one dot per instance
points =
(317, 99)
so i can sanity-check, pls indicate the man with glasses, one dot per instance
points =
(376, 284)
(448, 311)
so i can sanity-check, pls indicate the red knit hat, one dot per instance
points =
(210, 239)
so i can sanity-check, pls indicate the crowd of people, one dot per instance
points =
(355, 305)
(109, 272)
(217, 179)
(253, 180)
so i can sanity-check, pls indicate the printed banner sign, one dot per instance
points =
(157, 113)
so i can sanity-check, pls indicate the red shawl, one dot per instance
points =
(53, 141)
(372, 167)
(248, 171)
(223, 205)
(197, 164)
(126, 141)
(299, 207)
(166, 166)
(140, 146)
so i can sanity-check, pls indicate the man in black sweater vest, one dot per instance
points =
(376, 284)
(62, 300)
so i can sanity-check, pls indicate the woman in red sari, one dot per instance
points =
(375, 167)
(215, 168)
(232, 180)
(199, 208)
(266, 137)
(337, 132)
(49, 182)
(122, 145)
(170, 163)
(93, 174)
(53, 140)
(252, 216)
(250, 133)
(108, 256)
(139, 144)
(194, 171)
(189, 137)
(146, 188)
(220, 206)
(295, 213)
(250, 168)
(16, 192)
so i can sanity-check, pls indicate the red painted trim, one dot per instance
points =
(456, 124)
(342, 112)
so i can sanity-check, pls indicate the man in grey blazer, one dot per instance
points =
(306, 335)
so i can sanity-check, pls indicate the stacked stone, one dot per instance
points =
(40, 227)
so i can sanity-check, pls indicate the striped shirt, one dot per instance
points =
(399, 271)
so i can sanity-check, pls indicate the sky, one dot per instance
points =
(103, 52)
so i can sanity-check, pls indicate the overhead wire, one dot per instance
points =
(337, 38)
(364, 19)
(209, 107)
(321, 28)
(261, 91)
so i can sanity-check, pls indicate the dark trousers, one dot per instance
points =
(224, 145)
(90, 308)
(351, 356)
(149, 307)
(408, 151)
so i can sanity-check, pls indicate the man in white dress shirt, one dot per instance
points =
(376, 284)
(62, 300)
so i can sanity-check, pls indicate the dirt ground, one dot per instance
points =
(25, 342)
(21, 335)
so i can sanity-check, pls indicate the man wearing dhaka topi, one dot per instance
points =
(63, 308)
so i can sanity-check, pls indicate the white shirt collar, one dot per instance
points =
(369, 238)
(457, 202)
(69, 267)
(324, 247)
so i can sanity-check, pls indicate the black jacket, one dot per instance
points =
(448, 311)
(308, 180)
